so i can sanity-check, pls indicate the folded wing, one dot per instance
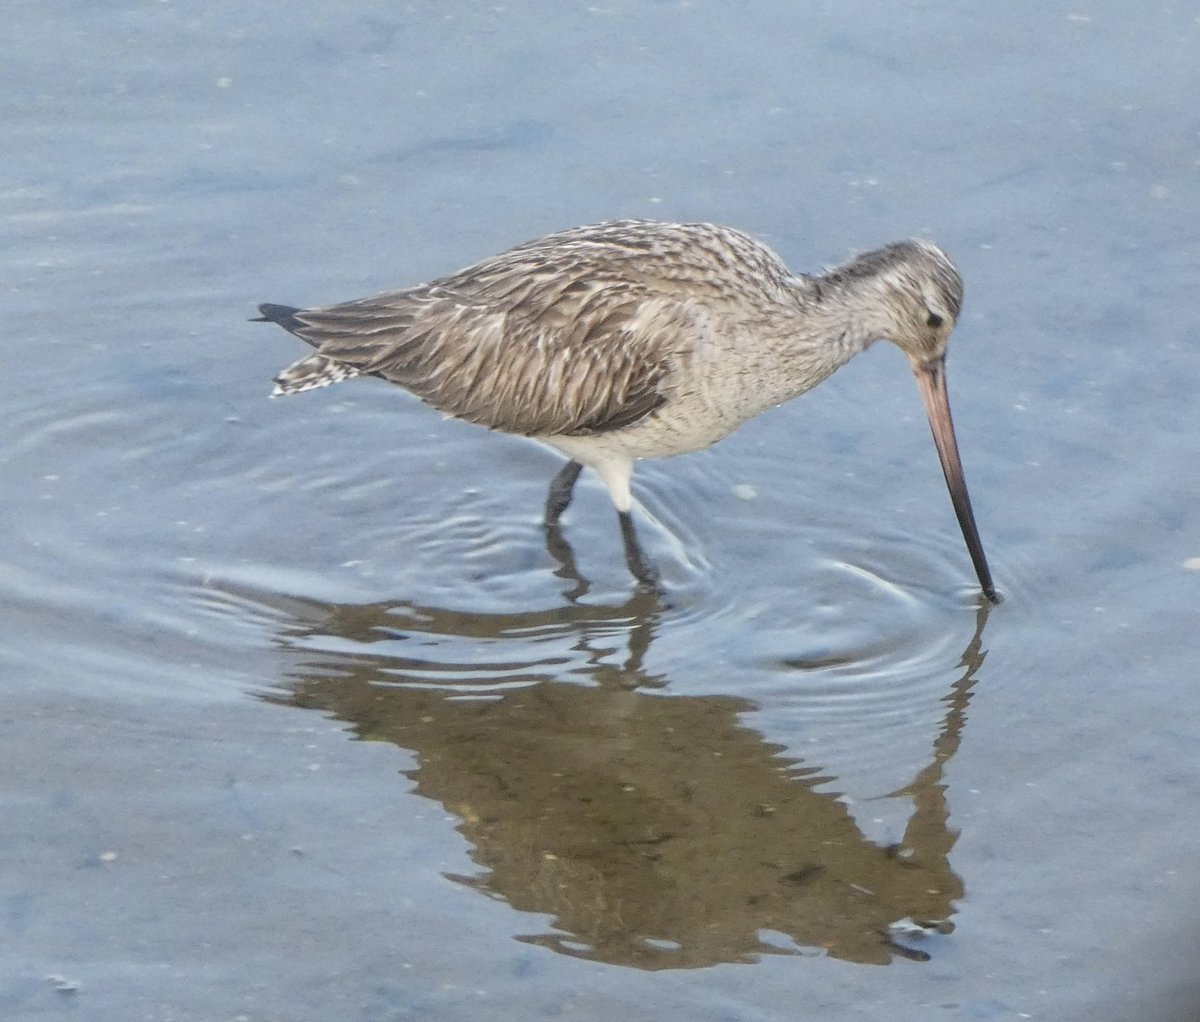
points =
(582, 359)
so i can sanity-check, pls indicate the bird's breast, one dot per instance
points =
(715, 386)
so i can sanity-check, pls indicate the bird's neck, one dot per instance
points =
(835, 319)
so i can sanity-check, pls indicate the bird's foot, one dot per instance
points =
(645, 573)
(648, 579)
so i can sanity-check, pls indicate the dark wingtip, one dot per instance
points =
(284, 315)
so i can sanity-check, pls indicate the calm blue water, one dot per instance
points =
(302, 718)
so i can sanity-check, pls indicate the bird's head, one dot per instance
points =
(909, 293)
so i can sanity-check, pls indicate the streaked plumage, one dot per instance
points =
(631, 339)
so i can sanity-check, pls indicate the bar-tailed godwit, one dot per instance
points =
(636, 339)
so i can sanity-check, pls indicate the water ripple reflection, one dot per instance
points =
(649, 830)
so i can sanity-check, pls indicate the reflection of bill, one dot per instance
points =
(657, 832)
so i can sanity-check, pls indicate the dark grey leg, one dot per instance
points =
(558, 548)
(645, 572)
(560, 491)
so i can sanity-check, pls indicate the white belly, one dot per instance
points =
(725, 381)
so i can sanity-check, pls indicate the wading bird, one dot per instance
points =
(637, 339)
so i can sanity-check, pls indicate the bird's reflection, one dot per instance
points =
(655, 831)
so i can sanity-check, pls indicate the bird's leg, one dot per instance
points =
(561, 488)
(645, 572)
(558, 548)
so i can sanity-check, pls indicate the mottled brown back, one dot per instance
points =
(572, 334)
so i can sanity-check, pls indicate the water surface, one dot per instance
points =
(305, 717)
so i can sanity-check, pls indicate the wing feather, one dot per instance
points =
(528, 369)
(575, 333)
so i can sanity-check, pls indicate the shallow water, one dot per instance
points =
(306, 718)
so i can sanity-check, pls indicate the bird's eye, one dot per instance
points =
(933, 320)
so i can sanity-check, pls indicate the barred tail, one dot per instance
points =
(310, 373)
